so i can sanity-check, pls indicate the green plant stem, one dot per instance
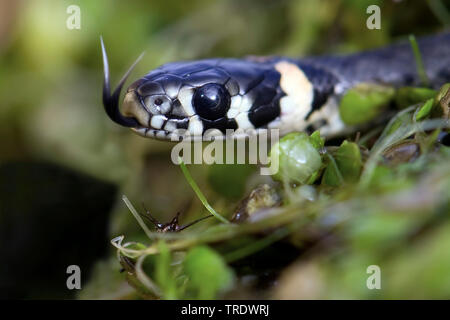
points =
(419, 62)
(138, 217)
(199, 193)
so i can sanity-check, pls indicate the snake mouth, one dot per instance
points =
(134, 108)
(185, 136)
(157, 134)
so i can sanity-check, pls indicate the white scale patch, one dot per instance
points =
(161, 135)
(239, 111)
(234, 107)
(185, 98)
(329, 112)
(246, 104)
(195, 126)
(170, 126)
(157, 121)
(243, 121)
(297, 102)
(172, 91)
(140, 131)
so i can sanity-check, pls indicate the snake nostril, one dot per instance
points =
(158, 104)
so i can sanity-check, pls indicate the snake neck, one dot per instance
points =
(331, 76)
(392, 65)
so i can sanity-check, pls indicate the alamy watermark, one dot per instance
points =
(74, 279)
(374, 20)
(74, 19)
(235, 147)
(374, 280)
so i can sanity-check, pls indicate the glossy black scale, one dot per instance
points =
(266, 99)
(247, 74)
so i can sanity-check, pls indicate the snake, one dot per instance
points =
(221, 98)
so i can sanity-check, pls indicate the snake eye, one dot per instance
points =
(211, 101)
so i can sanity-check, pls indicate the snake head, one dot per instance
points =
(196, 100)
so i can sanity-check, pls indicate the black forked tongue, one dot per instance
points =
(111, 102)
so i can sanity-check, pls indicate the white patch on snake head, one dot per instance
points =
(157, 121)
(239, 111)
(297, 102)
(195, 127)
(235, 105)
(172, 91)
(170, 126)
(132, 107)
(243, 121)
(246, 104)
(330, 113)
(185, 98)
(161, 135)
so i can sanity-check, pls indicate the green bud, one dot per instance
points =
(298, 156)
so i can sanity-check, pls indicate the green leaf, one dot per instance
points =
(419, 61)
(345, 166)
(408, 96)
(348, 159)
(316, 140)
(384, 179)
(425, 110)
(332, 176)
(364, 102)
(208, 273)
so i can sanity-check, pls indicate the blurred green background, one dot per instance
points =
(51, 81)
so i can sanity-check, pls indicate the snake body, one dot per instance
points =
(223, 98)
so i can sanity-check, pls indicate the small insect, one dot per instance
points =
(171, 226)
